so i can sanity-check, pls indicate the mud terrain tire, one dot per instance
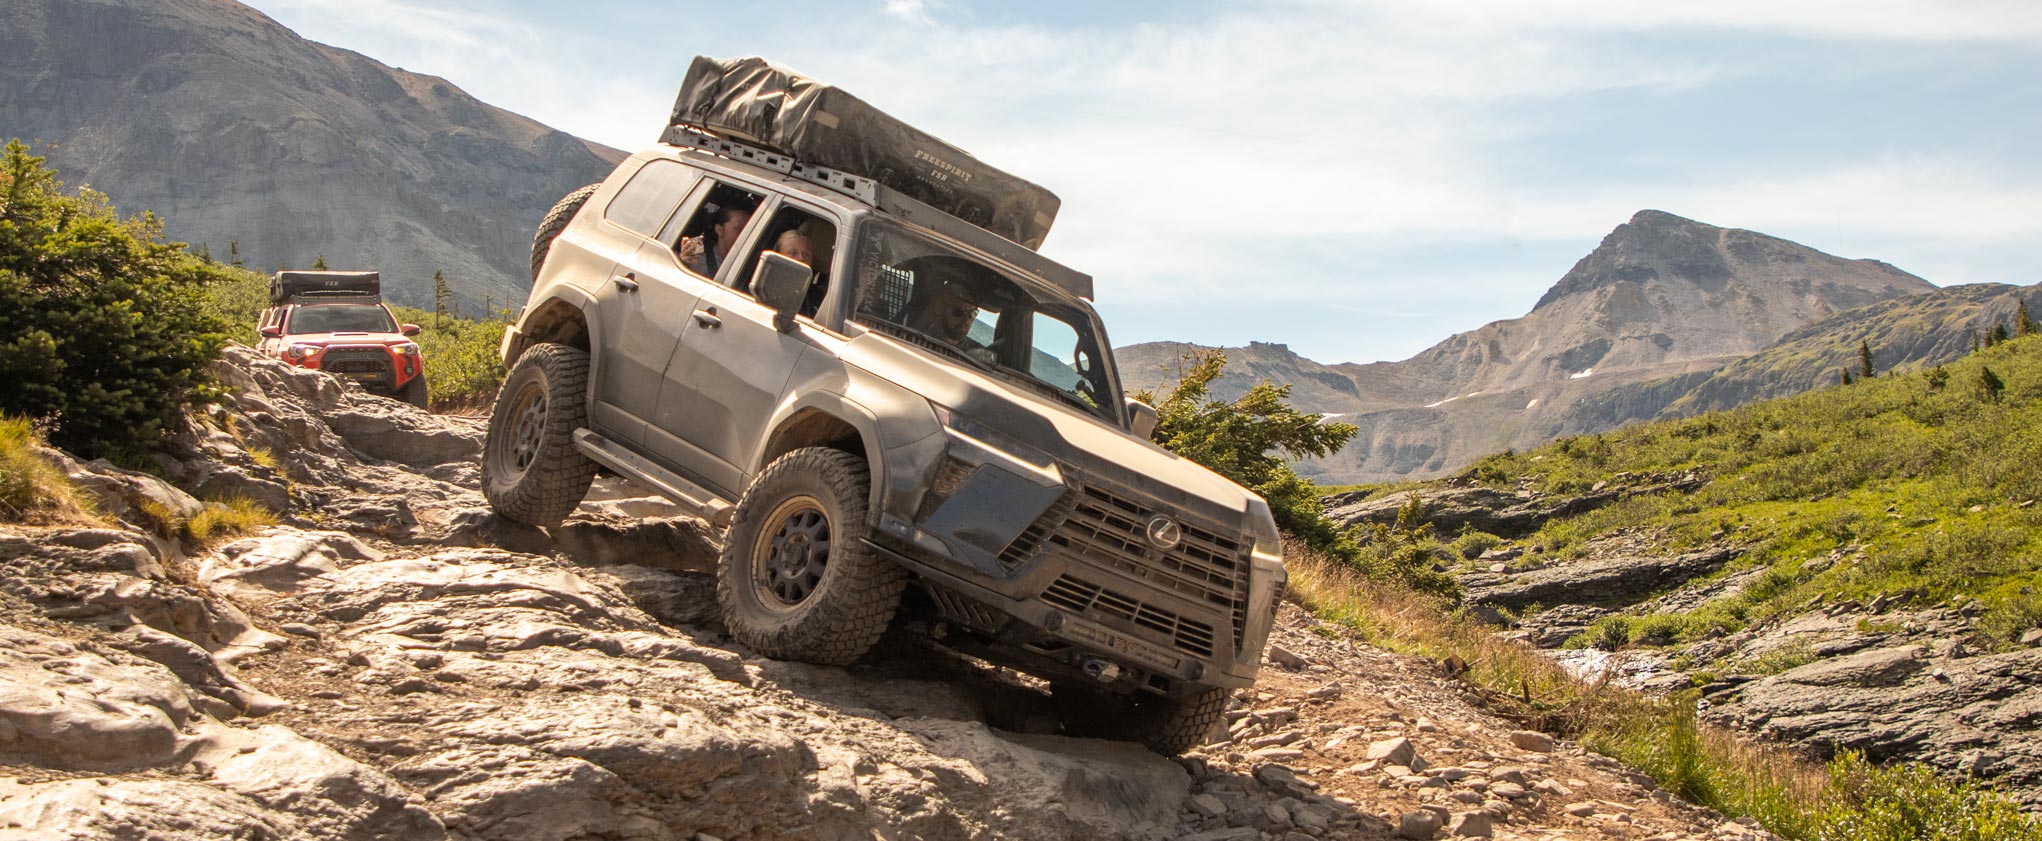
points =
(796, 580)
(531, 471)
(556, 221)
(414, 392)
(1167, 726)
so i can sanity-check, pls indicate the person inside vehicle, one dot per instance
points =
(793, 243)
(945, 315)
(705, 254)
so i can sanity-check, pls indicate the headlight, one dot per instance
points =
(1262, 526)
(992, 439)
(302, 351)
(406, 349)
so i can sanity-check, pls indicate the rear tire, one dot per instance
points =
(531, 470)
(556, 221)
(1168, 726)
(796, 580)
(414, 392)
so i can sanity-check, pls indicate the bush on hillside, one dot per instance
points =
(107, 333)
(1248, 440)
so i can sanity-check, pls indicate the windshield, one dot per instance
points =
(341, 318)
(946, 300)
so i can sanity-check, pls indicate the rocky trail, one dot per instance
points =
(394, 662)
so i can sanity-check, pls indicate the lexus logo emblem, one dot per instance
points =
(1163, 532)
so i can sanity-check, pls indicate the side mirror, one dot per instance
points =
(408, 329)
(272, 332)
(1141, 419)
(781, 282)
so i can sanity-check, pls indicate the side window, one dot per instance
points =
(650, 197)
(1060, 356)
(713, 232)
(803, 236)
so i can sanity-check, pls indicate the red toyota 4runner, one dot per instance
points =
(336, 322)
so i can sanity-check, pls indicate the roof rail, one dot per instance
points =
(856, 186)
(891, 201)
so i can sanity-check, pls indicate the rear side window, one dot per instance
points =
(650, 197)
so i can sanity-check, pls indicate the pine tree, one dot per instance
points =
(234, 251)
(2023, 325)
(1938, 378)
(1846, 376)
(441, 294)
(1998, 334)
(1989, 384)
(319, 263)
(1865, 360)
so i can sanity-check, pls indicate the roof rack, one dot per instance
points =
(297, 286)
(886, 199)
(856, 186)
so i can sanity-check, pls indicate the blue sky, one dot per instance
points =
(1356, 179)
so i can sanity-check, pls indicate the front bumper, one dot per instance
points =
(373, 367)
(1056, 568)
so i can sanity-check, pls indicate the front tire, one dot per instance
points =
(531, 471)
(414, 392)
(796, 580)
(1168, 726)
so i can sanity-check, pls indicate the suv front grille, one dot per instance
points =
(1106, 530)
(1026, 548)
(356, 361)
(1078, 596)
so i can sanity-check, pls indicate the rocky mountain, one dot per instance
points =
(1661, 297)
(394, 662)
(236, 130)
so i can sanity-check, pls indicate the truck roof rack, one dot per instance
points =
(886, 199)
(296, 287)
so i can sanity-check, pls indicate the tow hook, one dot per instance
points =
(1104, 671)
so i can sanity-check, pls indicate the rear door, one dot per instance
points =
(644, 301)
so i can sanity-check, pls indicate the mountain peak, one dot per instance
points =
(1658, 248)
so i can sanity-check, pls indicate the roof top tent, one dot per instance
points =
(753, 101)
(302, 287)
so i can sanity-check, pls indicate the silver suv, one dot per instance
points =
(895, 413)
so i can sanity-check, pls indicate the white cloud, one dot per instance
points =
(1266, 148)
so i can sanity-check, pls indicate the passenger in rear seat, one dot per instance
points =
(704, 254)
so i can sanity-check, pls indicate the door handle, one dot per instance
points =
(627, 282)
(707, 317)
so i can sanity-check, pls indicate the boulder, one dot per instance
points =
(68, 708)
(331, 795)
(1602, 580)
(125, 810)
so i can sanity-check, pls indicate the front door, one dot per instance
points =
(732, 366)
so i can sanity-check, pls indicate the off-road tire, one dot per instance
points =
(556, 221)
(852, 602)
(1168, 726)
(531, 471)
(414, 392)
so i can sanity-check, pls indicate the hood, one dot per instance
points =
(384, 339)
(1100, 449)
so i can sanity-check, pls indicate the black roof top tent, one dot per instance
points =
(756, 102)
(296, 287)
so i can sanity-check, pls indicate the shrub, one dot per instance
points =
(31, 489)
(107, 333)
(226, 519)
(1247, 440)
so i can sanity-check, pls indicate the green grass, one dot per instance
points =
(1894, 485)
(1787, 793)
(33, 490)
(225, 519)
